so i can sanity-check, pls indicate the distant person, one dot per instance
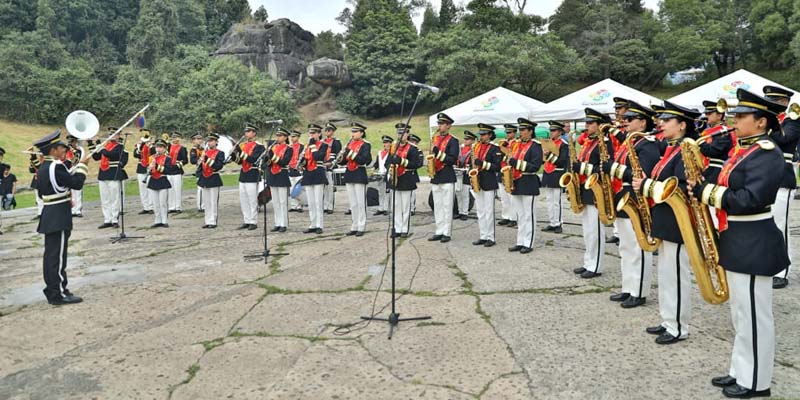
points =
(8, 188)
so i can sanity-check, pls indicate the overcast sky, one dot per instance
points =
(319, 15)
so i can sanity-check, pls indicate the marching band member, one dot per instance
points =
(525, 161)
(179, 157)
(357, 155)
(415, 140)
(314, 177)
(249, 176)
(143, 151)
(209, 181)
(464, 161)
(379, 167)
(554, 167)
(278, 157)
(588, 163)
(294, 172)
(444, 154)
(194, 156)
(486, 161)
(334, 147)
(73, 152)
(788, 139)
(113, 159)
(621, 106)
(674, 278)
(717, 147)
(751, 247)
(54, 183)
(35, 162)
(158, 184)
(406, 159)
(508, 217)
(636, 264)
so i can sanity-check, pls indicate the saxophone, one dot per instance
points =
(696, 226)
(473, 173)
(600, 183)
(507, 172)
(571, 181)
(636, 205)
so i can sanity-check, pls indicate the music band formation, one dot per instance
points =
(706, 198)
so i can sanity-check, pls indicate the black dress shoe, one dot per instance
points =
(479, 242)
(656, 330)
(282, 229)
(489, 243)
(525, 250)
(515, 248)
(172, 211)
(105, 225)
(155, 225)
(275, 229)
(78, 215)
(115, 225)
(205, 226)
(351, 233)
(404, 235)
(738, 392)
(318, 231)
(348, 212)
(667, 338)
(445, 239)
(558, 229)
(503, 222)
(212, 227)
(359, 233)
(619, 296)
(579, 270)
(252, 227)
(512, 224)
(613, 239)
(589, 274)
(143, 212)
(548, 228)
(779, 283)
(435, 238)
(165, 225)
(243, 226)
(722, 381)
(68, 299)
(463, 217)
(331, 212)
(310, 230)
(633, 302)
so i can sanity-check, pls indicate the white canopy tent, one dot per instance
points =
(599, 96)
(497, 106)
(725, 88)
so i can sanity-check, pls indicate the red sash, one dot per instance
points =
(668, 156)
(441, 143)
(145, 153)
(211, 154)
(781, 117)
(160, 160)
(247, 150)
(402, 152)
(519, 154)
(722, 180)
(311, 163)
(174, 149)
(278, 150)
(548, 166)
(329, 142)
(586, 154)
(465, 153)
(295, 155)
(354, 146)
(104, 161)
(621, 158)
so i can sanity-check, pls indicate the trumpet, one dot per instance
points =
(342, 152)
(31, 150)
(794, 111)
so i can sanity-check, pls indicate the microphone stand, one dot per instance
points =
(264, 255)
(394, 317)
(122, 236)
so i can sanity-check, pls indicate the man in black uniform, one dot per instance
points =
(445, 152)
(751, 246)
(414, 140)
(277, 159)
(143, 151)
(54, 183)
(554, 167)
(246, 154)
(787, 137)
(194, 155)
(487, 160)
(209, 180)
(357, 156)
(294, 172)
(507, 216)
(406, 159)
(333, 149)
(525, 161)
(113, 159)
(314, 178)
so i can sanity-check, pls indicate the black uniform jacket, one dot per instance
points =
(293, 171)
(411, 162)
(717, 152)
(54, 183)
(591, 166)
(139, 154)
(561, 163)
(649, 153)
(317, 175)
(488, 166)
(253, 174)
(665, 225)
(787, 139)
(117, 158)
(527, 184)
(216, 165)
(362, 159)
(162, 182)
(448, 156)
(280, 179)
(181, 158)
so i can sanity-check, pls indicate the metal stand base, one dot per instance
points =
(393, 320)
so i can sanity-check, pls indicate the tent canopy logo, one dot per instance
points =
(490, 102)
(733, 86)
(597, 96)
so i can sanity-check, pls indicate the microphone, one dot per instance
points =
(433, 89)
(274, 121)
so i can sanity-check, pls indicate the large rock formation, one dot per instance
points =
(329, 72)
(281, 47)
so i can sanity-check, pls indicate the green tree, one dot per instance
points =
(46, 20)
(154, 35)
(380, 53)
(448, 14)
(222, 14)
(430, 21)
(17, 16)
(486, 14)
(261, 14)
(329, 44)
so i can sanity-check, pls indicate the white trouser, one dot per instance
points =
(443, 207)
(484, 208)
(211, 205)
(295, 204)
(199, 198)
(614, 229)
(636, 264)
(280, 205)
(383, 198)
(402, 211)
(159, 199)
(248, 200)
(554, 206)
(144, 195)
(753, 355)
(77, 201)
(328, 195)
(525, 209)
(462, 198)
(413, 201)
(674, 288)
(506, 206)
(109, 199)
(358, 205)
(175, 193)
(780, 211)
(315, 210)
(39, 202)
(593, 240)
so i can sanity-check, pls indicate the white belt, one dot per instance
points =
(626, 184)
(752, 217)
(788, 156)
(710, 165)
(59, 198)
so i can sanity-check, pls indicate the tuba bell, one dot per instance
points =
(82, 124)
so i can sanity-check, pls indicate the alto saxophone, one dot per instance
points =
(696, 226)
(507, 172)
(571, 181)
(473, 173)
(636, 205)
(600, 183)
